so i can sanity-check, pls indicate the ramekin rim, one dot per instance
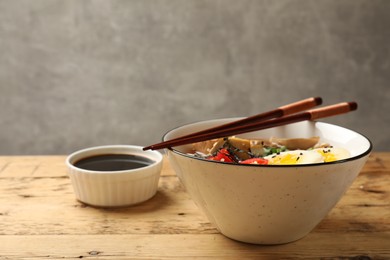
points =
(156, 161)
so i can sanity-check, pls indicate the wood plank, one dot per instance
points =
(184, 246)
(48, 206)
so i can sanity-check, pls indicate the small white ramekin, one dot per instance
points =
(114, 188)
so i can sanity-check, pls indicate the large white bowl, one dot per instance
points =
(269, 204)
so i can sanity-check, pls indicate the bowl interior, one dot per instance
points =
(357, 144)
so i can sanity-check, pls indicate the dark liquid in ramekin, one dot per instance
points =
(113, 162)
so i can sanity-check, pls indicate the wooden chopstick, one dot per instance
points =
(313, 114)
(278, 112)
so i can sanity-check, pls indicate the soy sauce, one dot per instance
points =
(113, 162)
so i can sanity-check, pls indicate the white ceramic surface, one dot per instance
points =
(269, 204)
(115, 188)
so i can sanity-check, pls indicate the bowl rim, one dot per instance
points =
(365, 153)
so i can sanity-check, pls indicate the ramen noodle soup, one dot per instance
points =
(272, 151)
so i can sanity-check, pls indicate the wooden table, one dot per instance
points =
(40, 218)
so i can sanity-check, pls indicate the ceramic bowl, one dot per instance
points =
(269, 204)
(114, 188)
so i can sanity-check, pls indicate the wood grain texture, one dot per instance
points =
(40, 218)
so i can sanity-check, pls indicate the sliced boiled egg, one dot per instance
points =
(332, 154)
(295, 157)
(318, 155)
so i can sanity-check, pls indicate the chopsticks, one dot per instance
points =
(288, 116)
(278, 112)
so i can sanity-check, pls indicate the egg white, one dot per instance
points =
(333, 153)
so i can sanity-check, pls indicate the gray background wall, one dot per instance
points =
(75, 73)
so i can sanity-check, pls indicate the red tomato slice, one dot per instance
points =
(222, 156)
(255, 161)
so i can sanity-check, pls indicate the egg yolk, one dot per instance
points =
(328, 156)
(286, 159)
